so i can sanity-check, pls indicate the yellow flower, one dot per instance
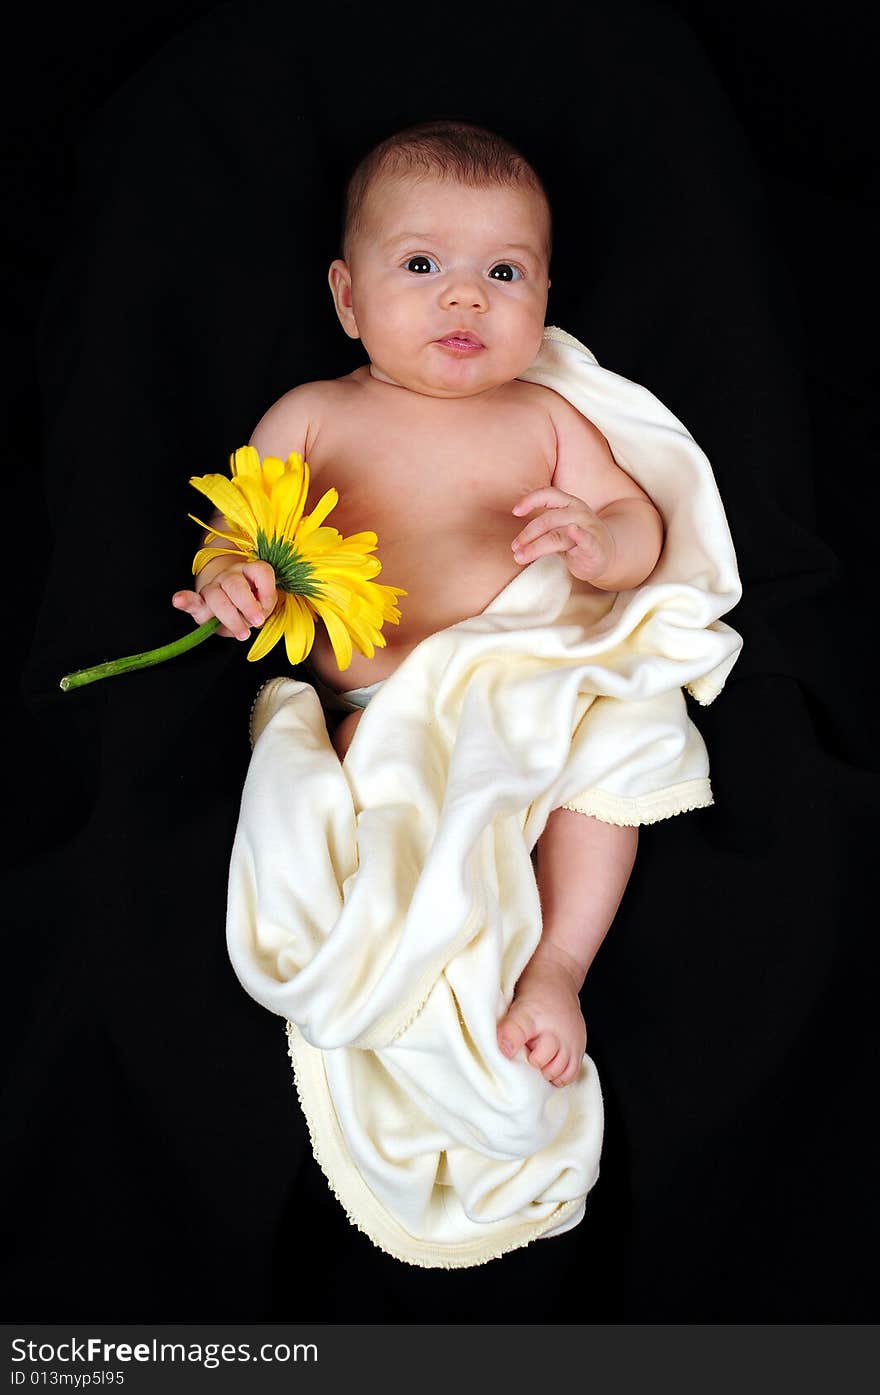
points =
(317, 571)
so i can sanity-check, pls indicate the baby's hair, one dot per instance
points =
(449, 148)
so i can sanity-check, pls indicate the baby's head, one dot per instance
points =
(446, 228)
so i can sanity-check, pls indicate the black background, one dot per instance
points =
(173, 175)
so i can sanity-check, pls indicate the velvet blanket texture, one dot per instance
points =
(385, 906)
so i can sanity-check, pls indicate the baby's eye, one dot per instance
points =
(503, 271)
(421, 263)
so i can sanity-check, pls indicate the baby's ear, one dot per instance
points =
(339, 277)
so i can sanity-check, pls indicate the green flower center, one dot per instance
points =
(292, 572)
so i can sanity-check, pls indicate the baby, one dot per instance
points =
(438, 446)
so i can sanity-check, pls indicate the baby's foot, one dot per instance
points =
(545, 1017)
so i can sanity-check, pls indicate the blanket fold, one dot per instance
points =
(385, 906)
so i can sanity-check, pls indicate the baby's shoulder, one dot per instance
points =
(550, 404)
(292, 423)
(573, 429)
(556, 406)
(530, 394)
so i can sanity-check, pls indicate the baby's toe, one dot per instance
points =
(544, 1048)
(510, 1036)
(514, 1029)
(573, 1070)
(556, 1069)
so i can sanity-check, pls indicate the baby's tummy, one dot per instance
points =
(447, 578)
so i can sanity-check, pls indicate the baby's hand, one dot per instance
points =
(545, 1017)
(241, 595)
(566, 525)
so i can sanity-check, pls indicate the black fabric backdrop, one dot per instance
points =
(174, 205)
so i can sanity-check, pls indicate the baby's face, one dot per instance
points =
(438, 257)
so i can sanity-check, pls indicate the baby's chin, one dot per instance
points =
(464, 378)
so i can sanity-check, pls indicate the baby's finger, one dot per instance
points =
(554, 540)
(226, 611)
(196, 607)
(192, 603)
(551, 518)
(549, 497)
(261, 576)
(236, 587)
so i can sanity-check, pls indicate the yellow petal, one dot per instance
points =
(273, 469)
(227, 500)
(245, 461)
(208, 554)
(337, 593)
(339, 635)
(297, 471)
(299, 630)
(360, 542)
(270, 633)
(251, 490)
(363, 635)
(339, 565)
(287, 504)
(324, 539)
(387, 596)
(327, 501)
(218, 532)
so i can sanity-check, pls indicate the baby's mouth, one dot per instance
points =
(461, 340)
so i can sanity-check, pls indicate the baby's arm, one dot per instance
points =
(603, 523)
(238, 592)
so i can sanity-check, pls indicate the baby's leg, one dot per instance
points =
(353, 703)
(583, 868)
(344, 731)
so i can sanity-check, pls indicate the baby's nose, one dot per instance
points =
(465, 291)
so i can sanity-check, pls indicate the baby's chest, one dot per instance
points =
(390, 473)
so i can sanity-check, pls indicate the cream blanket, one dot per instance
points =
(386, 906)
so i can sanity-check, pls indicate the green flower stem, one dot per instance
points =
(133, 661)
